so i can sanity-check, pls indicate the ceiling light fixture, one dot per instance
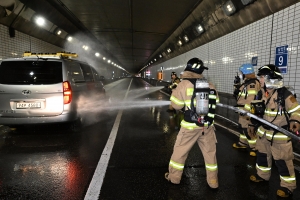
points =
(199, 28)
(39, 20)
(186, 38)
(179, 43)
(229, 8)
(69, 38)
(57, 31)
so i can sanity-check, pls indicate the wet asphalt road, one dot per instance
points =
(49, 162)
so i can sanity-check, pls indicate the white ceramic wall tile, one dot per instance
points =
(224, 55)
(16, 46)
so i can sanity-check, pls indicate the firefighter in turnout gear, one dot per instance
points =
(245, 93)
(282, 110)
(198, 98)
(174, 82)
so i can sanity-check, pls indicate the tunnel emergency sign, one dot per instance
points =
(281, 58)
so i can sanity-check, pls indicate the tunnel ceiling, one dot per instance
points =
(134, 33)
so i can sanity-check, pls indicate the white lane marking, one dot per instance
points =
(93, 191)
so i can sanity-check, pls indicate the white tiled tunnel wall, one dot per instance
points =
(224, 55)
(16, 46)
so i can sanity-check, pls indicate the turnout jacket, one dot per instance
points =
(248, 92)
(174, 83)
(274, 113)
(182, 94)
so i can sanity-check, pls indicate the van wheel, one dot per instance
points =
(75, 126)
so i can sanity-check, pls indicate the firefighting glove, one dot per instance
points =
(295, 127)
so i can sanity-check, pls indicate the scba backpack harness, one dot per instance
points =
(283, 94)
(203, 112)
(237, 92)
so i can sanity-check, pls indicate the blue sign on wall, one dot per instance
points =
(281, 58)
(254, 61)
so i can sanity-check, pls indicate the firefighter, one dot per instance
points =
(283, 110)
(193, 128)
(245, 93)
(174, 82)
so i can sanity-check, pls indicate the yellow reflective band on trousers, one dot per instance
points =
(242, 136)
(211, 115)
(211, 167)
(191, 126)
(176, 165)
(288, 179)
(269, 134)
(212, 96)
(264, 169)
(177, 101)
(251, 141)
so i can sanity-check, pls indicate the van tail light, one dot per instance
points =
(67, 92)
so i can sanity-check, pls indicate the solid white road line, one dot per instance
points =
(93, 191)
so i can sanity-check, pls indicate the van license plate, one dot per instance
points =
(29, 105)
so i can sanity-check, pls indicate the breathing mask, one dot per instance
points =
(272, 83)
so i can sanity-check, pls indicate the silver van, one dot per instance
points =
(45, 88)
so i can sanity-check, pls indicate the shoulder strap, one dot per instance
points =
(192, 80)
(245, 84)
(251, 80)
(283, 93)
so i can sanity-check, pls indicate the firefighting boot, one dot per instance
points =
(176, 182)
(239, 146)
(256, 178)
(253, 152)
(284, 192)
(213, 183)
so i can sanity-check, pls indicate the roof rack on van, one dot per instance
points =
(52, 55)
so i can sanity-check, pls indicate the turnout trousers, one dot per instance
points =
(245, 138)
(282, 152)
(206, 140)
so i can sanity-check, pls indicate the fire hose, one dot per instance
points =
(284, 131)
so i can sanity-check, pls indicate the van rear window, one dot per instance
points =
(30, 72)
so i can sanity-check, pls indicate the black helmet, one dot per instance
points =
(195, 65)
(173, 73)
(271, 70)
